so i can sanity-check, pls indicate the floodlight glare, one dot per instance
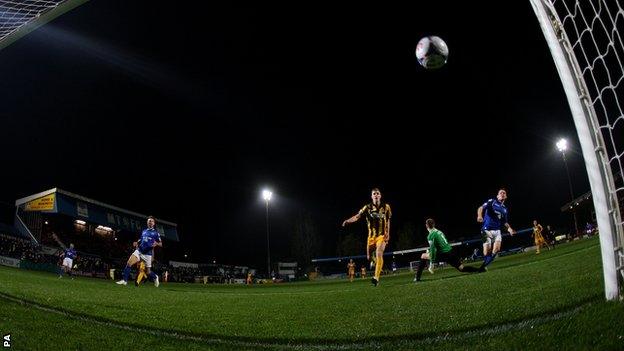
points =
(562, 145)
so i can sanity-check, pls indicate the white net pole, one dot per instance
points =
(20, 17)
(588, 51)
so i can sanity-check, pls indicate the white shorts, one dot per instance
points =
(68, 262)
(145, 258)
(492, 236)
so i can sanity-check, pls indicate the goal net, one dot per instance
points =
(20, 17)
(585, 38)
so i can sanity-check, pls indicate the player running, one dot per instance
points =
(150, 238)
(68, 261)
(440, 251)
(351, 270)
(378, 216)
(493, 214)
(538, 237)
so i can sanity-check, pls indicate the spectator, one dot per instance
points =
(589, 229)
(551, 235)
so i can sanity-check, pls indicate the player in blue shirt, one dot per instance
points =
(494, 216)
(68, 260)
(144, 250)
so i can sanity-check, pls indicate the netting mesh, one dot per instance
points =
(16, 13)
(594, 29)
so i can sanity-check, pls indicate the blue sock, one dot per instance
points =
(126, 273)
(487, 260)
(491, 258)
(61, 271)
(152, 276)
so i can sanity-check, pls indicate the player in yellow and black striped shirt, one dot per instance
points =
(351, 270)
(378, 216)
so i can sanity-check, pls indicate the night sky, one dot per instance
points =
(187, 112)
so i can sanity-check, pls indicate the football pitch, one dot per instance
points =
(549, 301)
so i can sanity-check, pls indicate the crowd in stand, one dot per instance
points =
(183, 274)
(91, 265)
(22, 249)
(103, 246)
(203, 274)
(27, 250)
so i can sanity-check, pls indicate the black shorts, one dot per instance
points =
(450, 257)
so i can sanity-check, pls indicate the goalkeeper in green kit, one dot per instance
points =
(440, 251)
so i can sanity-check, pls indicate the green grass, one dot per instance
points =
(524, 301)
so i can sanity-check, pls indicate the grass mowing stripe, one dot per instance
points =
(406, 340)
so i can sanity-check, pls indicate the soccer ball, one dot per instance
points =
(431, 52)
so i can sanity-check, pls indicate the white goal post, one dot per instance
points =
(20, 17)
(588, 51)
